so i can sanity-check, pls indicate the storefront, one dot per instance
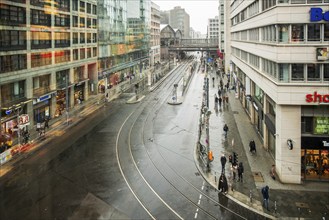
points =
(41, 108)
(315, 158)
(61, 100)
(79, 93)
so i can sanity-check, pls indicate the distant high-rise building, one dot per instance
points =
(213, 28)
(155, 34)
(164, 17)
(280, 65)
(179, 19)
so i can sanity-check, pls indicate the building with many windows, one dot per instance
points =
(213, 28)
(48, 56)
(178, 18)
(280, 64)
(155, 34)
(124, 35)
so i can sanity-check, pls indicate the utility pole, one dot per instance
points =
(67, 98)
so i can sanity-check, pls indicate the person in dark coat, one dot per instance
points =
(252, 146)
(223, 162)
(240, 172)
(265, 193)
(222, 184)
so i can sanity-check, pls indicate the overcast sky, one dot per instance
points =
(199, 11)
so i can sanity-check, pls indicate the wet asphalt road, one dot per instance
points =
(124, 162)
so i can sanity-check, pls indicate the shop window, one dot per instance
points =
(307, 125)
(313, 32)
(259, 94)
(297, 32)
(62, 78)
(297, 72)
(321, 125)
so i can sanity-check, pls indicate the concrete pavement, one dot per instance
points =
(309, 200)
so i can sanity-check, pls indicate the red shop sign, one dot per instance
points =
(315, 97)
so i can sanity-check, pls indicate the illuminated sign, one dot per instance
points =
(321, 125)
(317, 14)
(315, 97)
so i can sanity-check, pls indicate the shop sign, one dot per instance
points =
(321, 125)
(9, 111)
(322, 54)
(325, 143)
(5, 156)
(43, 98)
(317, 14)
(315, 97)
(23, 119)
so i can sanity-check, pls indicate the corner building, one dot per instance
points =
(48, 59)
(280, 65)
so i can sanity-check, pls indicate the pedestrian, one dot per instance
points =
(234, 169)
(213, 81)
(220, 102)
(240, 172)
(225, 128)
(216, 100)
(272, 173)
(223, 162)
(266, 196)
(222, 184)
(252, 146)
(47, 122)
(219, 92)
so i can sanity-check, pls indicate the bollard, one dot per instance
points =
(275, 207)
(250, 196)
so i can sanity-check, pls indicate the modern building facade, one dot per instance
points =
(155, 34)
(123, 41)
(213, 28)
(179, 19)
(48, 59)
(280, 64)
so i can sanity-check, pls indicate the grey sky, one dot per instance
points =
(199, 11)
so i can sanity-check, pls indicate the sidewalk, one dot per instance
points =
(309, 200)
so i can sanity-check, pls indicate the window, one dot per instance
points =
(94, 37)
(95, 55)
(82, 38)
(12, 15)
(313, 72)
(75, 54)
(88, 52)
(75, 38)
(82, 6)
(63, 5)
(40, 18)
(88, 8)
(75, 5)
(82, 53)
(11, 63)
(12, 40)
(307, 124)
(313, 32)
(40, 39)
(326, 72)
(284, 72)
(88, 38)
(62, 56)
(62, 39)
(94, 10)
(283, 33)
(326, 31)
(298, 1)
(89, 23)
(62, 20)
(94, 23)
(40, 59)
(75, 20)
(82, 22)
(297, 32)
(297, 72)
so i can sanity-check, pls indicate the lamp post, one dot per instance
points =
(67, 98)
